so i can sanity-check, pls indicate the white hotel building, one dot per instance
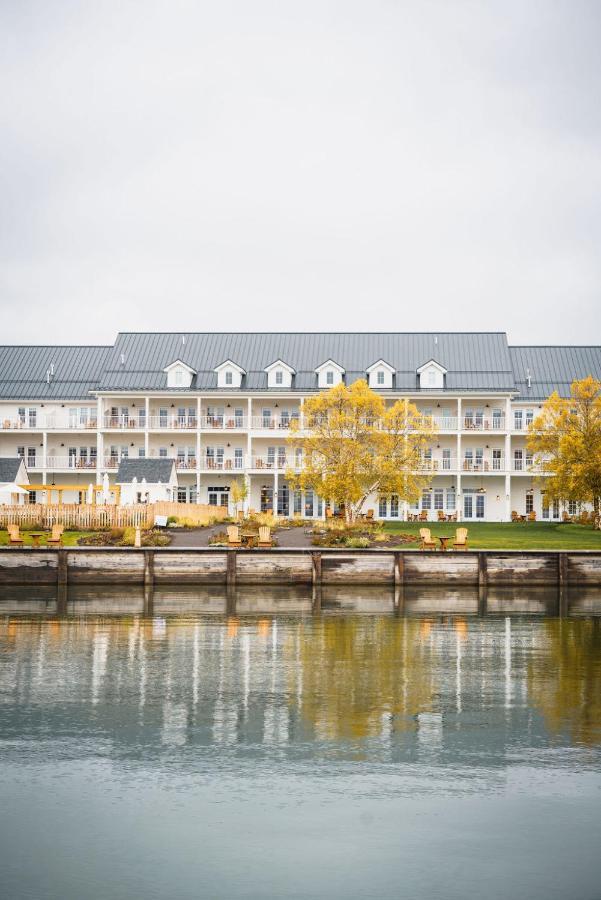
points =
(220, 405)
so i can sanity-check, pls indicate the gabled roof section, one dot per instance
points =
(380, 364)
(9, 469)
(51, 372)
(429, 364)
(153, 470)
(280, 364)
(182, 365)
(230, 364)
(330, 364)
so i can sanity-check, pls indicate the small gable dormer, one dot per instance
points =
(431, 376)
(179, 375)
(279, 374)
(229, 374)
(380, 375)
(329, 374)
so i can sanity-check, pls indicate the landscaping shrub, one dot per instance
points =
(357, 542)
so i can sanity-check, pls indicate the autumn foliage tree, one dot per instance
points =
(353, 446)
(566, 440)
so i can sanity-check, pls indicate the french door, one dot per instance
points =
(474, 506)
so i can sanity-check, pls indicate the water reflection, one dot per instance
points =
(206, 742)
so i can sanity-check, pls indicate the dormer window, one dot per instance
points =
(279, 374)
(329, 373)
(431, 375)
(380, 374)
(229, 374)
(179, 374)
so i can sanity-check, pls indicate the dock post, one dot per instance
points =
(316, 558)
(482, 583)
(399, 582)
(562, 594)
(62, 568)
(148, 568)
(230, 575)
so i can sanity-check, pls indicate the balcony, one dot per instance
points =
(68, 462)
(483, 464)
(483, 423)
(276, 462)
(123, 423)
(223, 423)
(273, 423)
(221, 463)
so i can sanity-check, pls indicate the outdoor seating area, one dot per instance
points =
(429, 543)
(54, 538)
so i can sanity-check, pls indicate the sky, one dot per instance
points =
(340, 165)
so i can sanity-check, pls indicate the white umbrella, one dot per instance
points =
(144, 491)
(105, 488)
(90, 497)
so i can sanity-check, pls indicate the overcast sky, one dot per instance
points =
(304, 165)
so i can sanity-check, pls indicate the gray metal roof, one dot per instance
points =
(23, 372)
(153, 470)
(553, 369)
(9, 468)
(474, 361)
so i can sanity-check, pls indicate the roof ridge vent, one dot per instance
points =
(123, 359)
(528, 378)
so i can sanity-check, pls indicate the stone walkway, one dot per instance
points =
(199, 537)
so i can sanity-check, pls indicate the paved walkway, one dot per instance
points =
(199, 537)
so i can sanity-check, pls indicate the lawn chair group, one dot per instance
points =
(55, 539)
(429, 543)
(234, 538)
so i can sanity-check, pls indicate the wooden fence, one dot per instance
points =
(84, 517)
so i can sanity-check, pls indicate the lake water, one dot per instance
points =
(277, 745)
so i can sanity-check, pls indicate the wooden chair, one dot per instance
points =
(460, 542)
(531, 516)
(423, 516)
(566, 517)
(14, 535)
(514, 515)
(427, 542)
(452, 517)
(370, 515)
(265, 536)
(441, 516)
(56, 538)
(233, 536)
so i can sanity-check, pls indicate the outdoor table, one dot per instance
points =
(248, 537)
(443, 541)
(35, 537)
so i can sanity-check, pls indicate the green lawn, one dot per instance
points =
(510, 535)
(70, 538)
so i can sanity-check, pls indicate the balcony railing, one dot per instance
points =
(221, 463)
(274, 423)
(66, 462)
(172, 421)
(124, 423)
(483, 464)
(223, 423)
(483, 423)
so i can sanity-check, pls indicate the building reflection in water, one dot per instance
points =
(435, 673)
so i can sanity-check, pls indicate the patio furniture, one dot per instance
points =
(56, 537)
(531, 516)
(265, 536)
(427, 542)
(423, 516)
(14, 536)
(370, 515)
(233, 536)
(441, 516)
(35, 537)
(460, 542)
(444, 540)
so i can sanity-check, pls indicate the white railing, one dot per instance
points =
(438, 464)
(274, 423)
(483, 423)
(277, 462)
(68, 462)
(172, 421)
(123, 423)
(483, 464)
(47, 423)
(222, 463)
(223, 423)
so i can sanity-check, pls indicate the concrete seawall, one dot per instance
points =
(150, 566)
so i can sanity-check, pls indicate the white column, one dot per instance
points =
(458, 501)
(198, 445)
(147, 427)
(44, 455)
(99, 441)
(508, 460)
(275, 491)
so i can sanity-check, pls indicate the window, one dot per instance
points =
(431, 378)
(298, 503)
(309, 504)
(163, 417)
(438, 498)
(572, 507)
(451, 499)
(426, 500)
(529, 417)
(382, 506)
(380, 376)
(529, 503)
(329, 377)
(31, 457)
(179, 380)
(556, 509)
(446, 459)
(31, 497)
(517, 420)
(162, 452)
(238, 458)
(545, 510)
(21, 452)
(394, 506)
(279, 377)
(181, 495)
(229, 378)
(141, 452)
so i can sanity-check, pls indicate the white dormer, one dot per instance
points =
(329, 374)
(179, 375)
(229, 375)
(279, 374)
(431, 376)
(380, 375)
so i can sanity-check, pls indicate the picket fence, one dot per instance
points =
(84, 517)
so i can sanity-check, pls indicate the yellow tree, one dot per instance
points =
(565, 440)
(353, 446)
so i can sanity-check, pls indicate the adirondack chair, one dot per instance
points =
(56, 538)
(441, 516)
(265, 536)
(233, 536)
(460, 542)
(370, 515)
(14, 535)
(427, 542)
(423, 516)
